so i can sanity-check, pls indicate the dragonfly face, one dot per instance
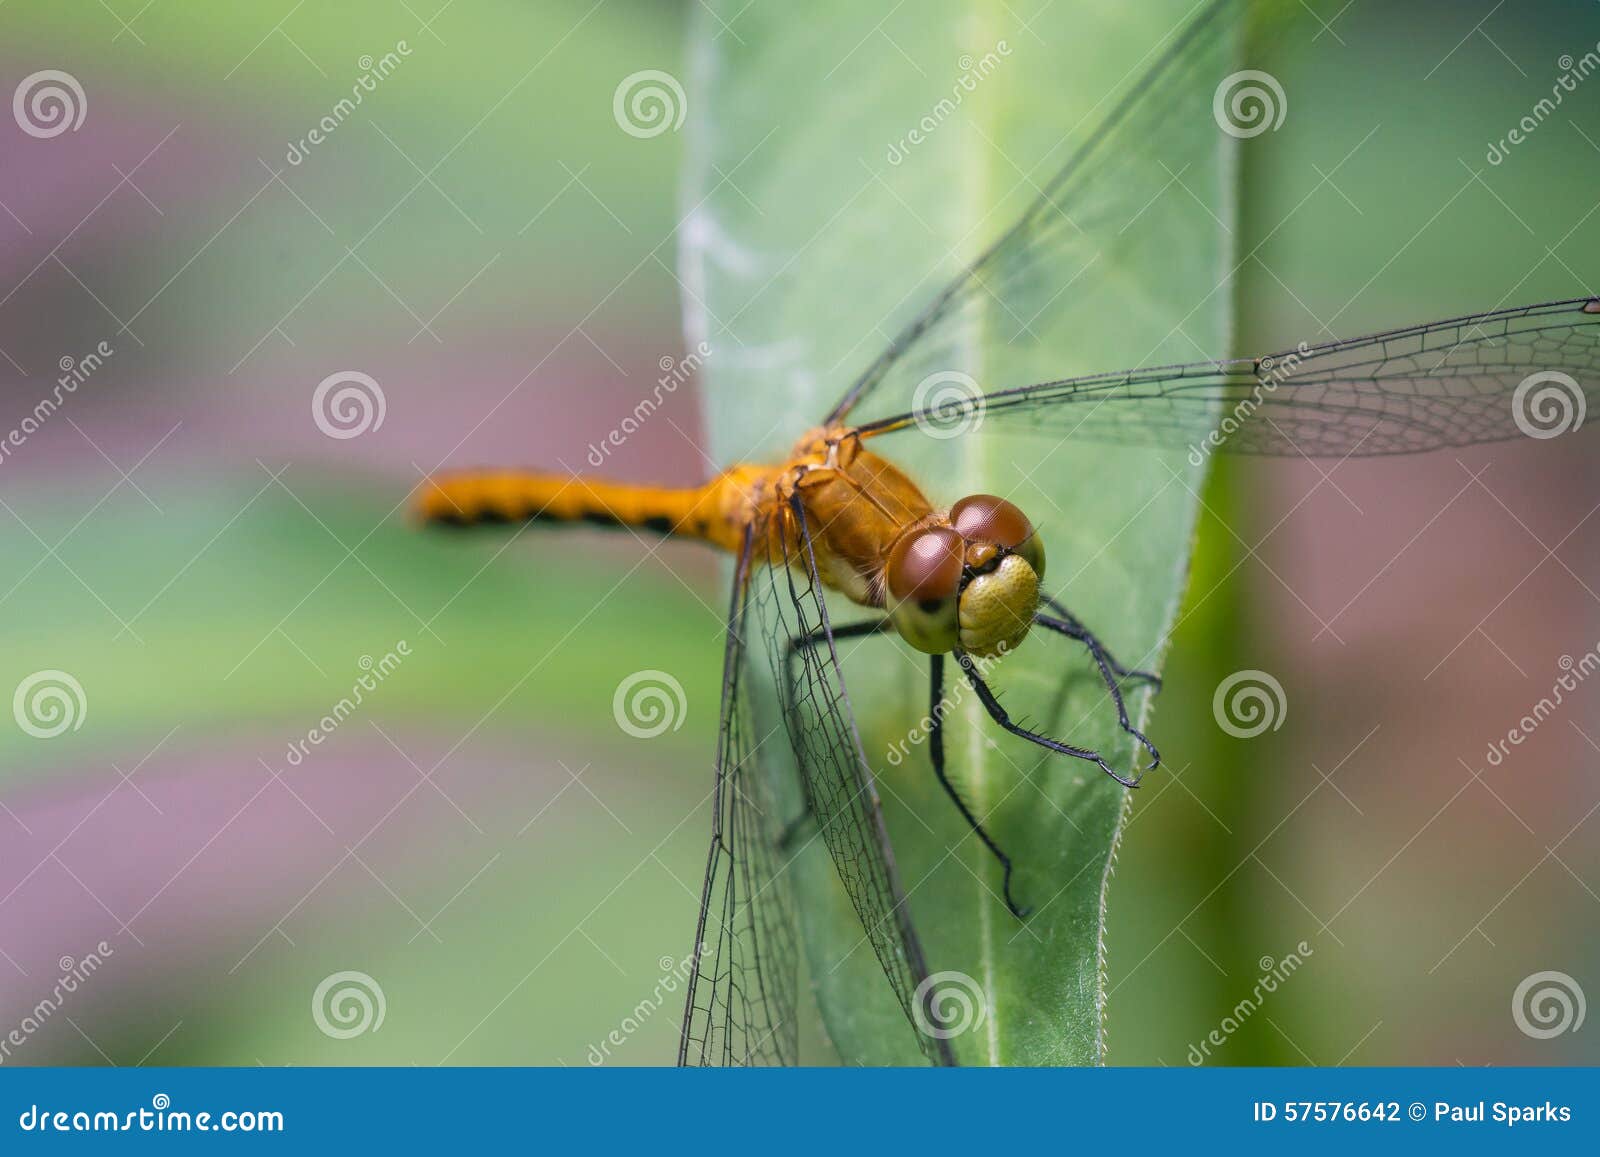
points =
(972, 585)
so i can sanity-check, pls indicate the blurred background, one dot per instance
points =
(213, 570)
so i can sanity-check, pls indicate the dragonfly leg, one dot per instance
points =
(808, 643)
(1073, 629)
(998, 714)
(936, 753)
(1082, 634)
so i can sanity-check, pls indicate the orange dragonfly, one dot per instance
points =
(967, 580)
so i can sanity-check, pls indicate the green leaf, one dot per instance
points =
(806, 248)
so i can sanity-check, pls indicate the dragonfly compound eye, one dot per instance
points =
(989, 518)
(922, 583)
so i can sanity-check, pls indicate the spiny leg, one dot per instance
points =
(998, 714)
(1076, 630)
(936, 753)
(1122, 672)
(819, 636)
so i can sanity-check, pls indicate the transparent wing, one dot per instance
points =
(1147, 180)
(741, 993)
(1532, 371)
(786, 598)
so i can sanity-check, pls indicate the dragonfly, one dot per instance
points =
(967, 581)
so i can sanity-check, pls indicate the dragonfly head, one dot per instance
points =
(972, 583)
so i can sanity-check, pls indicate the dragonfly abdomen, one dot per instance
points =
(715, 512)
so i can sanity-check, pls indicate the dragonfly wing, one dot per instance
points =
(741, 993)
(788, 600)
(1532, 371)
(1142, 185)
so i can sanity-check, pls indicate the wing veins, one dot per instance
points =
(969, 277)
